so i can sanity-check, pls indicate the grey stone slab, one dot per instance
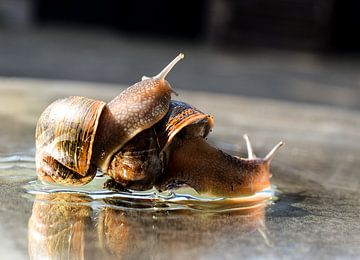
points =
(317, 176)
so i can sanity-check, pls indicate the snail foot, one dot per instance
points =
(175, 184)
(114, 186)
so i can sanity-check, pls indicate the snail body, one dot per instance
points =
(192, 161)
(142, 139)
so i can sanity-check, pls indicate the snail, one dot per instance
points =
(192, 161)
(76, 135)
(142, 139)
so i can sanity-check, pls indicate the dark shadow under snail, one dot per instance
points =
(142, 139)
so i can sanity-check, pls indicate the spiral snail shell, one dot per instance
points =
(142, 139)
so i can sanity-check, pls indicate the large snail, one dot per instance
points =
(142, 139)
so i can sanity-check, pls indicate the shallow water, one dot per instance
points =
(76, 230)
(90, 221)
(153, 200)
(315, 216)
(184, 198)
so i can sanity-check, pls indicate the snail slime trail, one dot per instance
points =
(143, 139)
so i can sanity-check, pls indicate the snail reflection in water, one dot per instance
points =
(57, 226)
(142, 139)
(65, 226)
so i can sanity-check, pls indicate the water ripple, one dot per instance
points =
(183, 198)
(16, 158)
(153, 200)
(17, 161)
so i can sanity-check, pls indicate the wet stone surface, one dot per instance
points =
(317, 176)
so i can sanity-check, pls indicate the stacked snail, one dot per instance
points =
(141, 139)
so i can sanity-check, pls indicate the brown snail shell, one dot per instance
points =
(184, 118)
(138, 163)
(64, 145)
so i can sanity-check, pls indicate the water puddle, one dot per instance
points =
(90, 222)
(15, 166)
(74, 226)
(16, 161)
(152, 200)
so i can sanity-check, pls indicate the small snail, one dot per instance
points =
(194, 162)
(142, 139)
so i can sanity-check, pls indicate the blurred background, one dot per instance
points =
(293, 50)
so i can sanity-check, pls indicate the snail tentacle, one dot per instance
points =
(251, 154)
(272, 153)
(162, 75)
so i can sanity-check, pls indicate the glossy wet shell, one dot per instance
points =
(138, 163)
(65, 132)
(183, 118)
